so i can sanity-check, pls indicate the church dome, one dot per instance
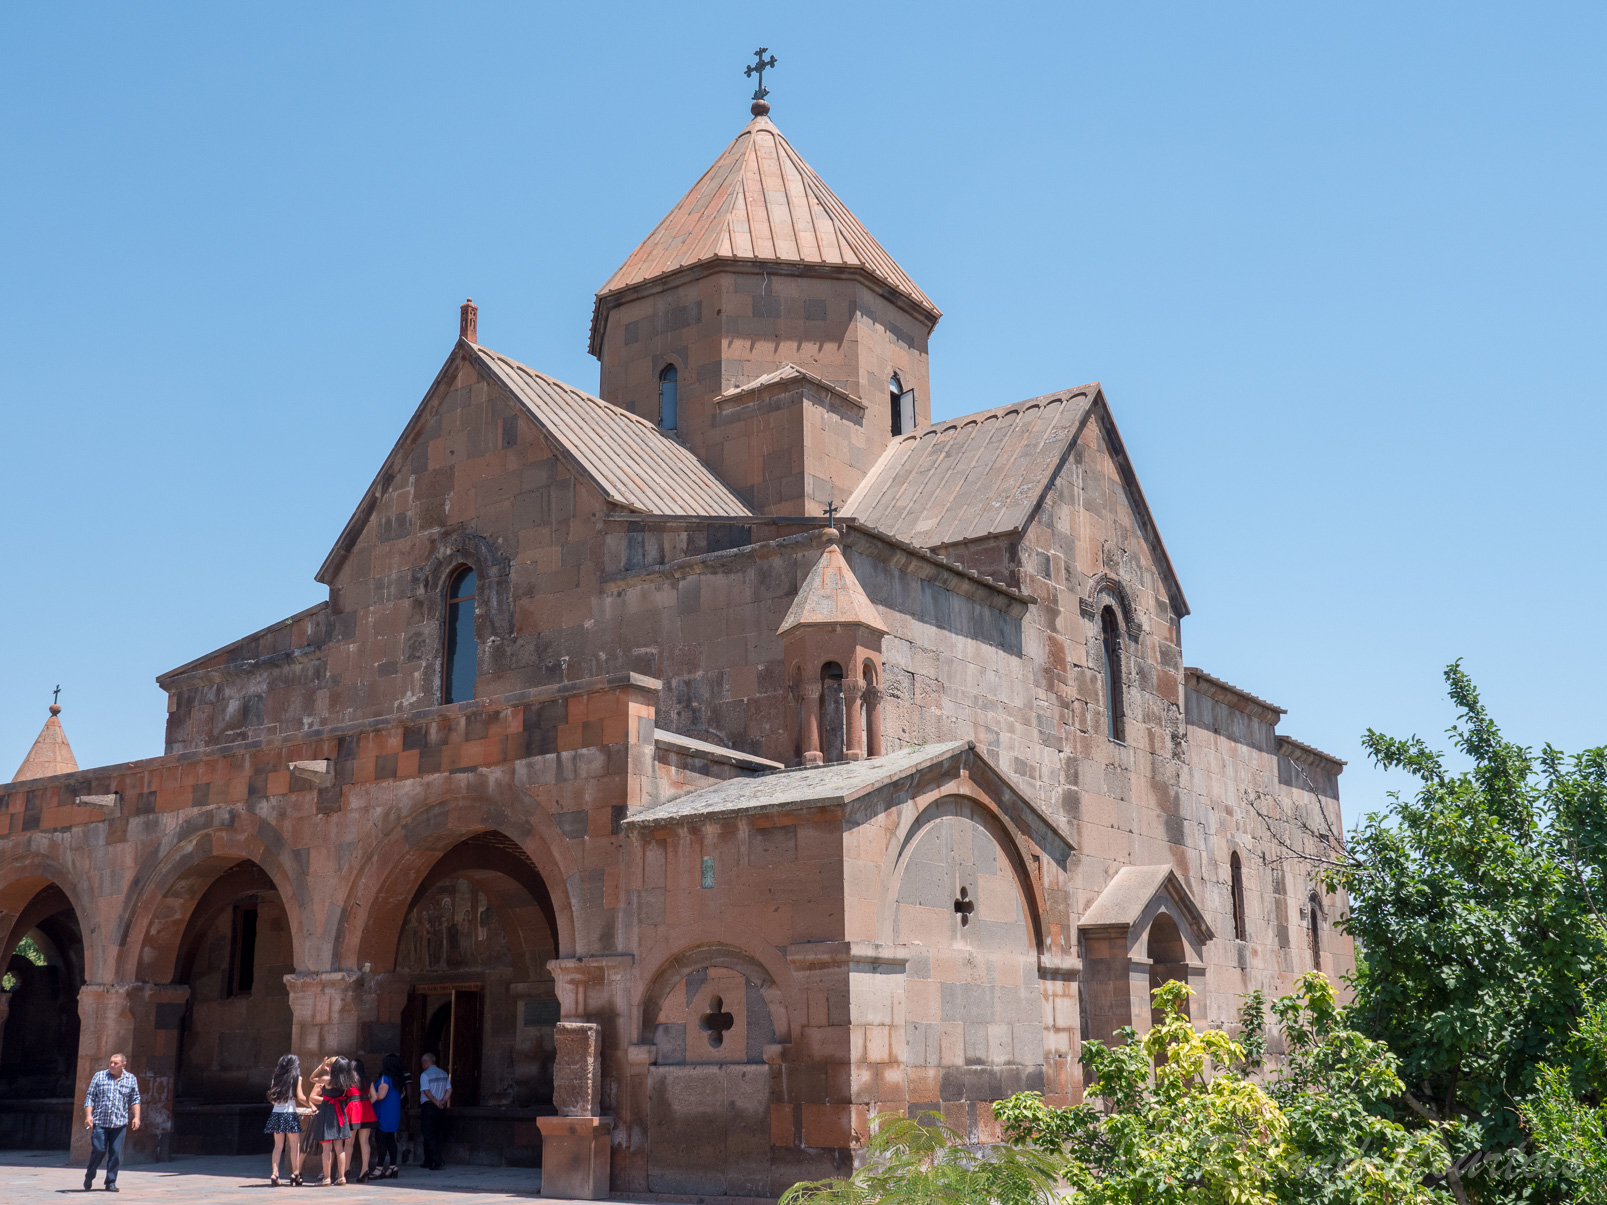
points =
(50, 755)
(759, 203)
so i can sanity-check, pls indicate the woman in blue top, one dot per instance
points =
(386, 1093)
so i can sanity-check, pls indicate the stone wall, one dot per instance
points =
(729, 328)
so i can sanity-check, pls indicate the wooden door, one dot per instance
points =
(412, 1034)
(464, 1066)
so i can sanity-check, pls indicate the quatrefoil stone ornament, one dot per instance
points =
(716, 1021)
(964, 906)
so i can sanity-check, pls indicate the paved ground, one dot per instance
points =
(33, 1177)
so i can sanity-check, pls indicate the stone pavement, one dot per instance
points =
(31, 1177)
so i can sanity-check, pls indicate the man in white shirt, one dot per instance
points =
(435, 1093)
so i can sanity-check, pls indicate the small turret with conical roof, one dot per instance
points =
(763, 326)
(832, 641)
(51, 754)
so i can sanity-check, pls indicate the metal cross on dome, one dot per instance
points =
(761, 92)
(56, 698)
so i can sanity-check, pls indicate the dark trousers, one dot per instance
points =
(430, 1124)
(106, 1142)
(384, 1148)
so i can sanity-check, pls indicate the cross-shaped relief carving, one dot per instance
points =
(716, 1021)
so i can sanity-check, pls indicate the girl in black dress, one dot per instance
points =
(289, 1102)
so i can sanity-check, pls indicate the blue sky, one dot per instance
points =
(1340, 270)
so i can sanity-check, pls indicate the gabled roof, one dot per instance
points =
(804, 786)
(1128, 895)
(788, 374)
(984, 475)
(633, 464)
(761, 203)
(51, 754)
(840, 784)
(831, 596)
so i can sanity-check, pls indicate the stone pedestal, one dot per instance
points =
(574, 1157)
(574, 1145)
(141, 1021)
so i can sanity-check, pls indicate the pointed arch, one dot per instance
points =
(954, 804)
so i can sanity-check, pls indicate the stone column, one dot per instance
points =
(143, 1022)
(347, 1013)
(873, 722)
(811, 722)
(854, 741)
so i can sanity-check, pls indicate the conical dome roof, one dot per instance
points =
(831, 596)
(51, 754)
(760, 203)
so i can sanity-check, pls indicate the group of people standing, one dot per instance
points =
(341, 1110)
(345, 1113)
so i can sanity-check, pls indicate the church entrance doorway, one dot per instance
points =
(474, 947)
(444, 1021)
(42, 968)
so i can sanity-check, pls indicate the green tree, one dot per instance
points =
(1183, 1121)
(927, 1163)
(1476, 901)
(1566, 1117)
(26, 948)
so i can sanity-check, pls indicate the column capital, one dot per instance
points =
(582, 983)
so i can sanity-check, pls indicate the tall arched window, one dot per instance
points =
(1110, 636)
(668, 388)
(1316, 932)
(462, 651)
(1239, 926)
(901, 402)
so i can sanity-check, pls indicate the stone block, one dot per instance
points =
(577, 1078)
(574, 1157)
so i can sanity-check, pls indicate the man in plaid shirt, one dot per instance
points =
(111, 1107)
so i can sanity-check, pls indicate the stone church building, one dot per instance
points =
(697, 768)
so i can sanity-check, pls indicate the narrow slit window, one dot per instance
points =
(462, 650)
(1111, 642)
(1316, 933)
(668, 391)
(1239, 926)
(243, 955)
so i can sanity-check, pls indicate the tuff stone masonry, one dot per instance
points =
(697, 770)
